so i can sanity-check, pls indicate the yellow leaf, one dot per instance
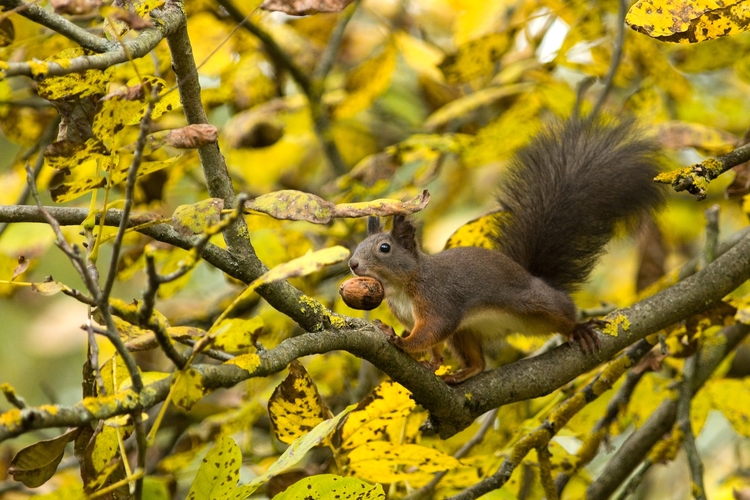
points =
(74, 85)
(194, 218)
(689, 22)
(187, 388)
(234, 335)
(505, 134)
(302, 266)
(47, 287)
(459, 108)
(36, 463)
(384, 462)
(420, 55)
(480, 231)
(219, 472)
(295, 406)
(248, 362)
(296, 452)
(367, 82)
(475, 58)
(329, 487)
(105, 449)
(297, 205)
(730, 397)
(67, 155)
(379, 416)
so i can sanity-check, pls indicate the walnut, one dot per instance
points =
(362, 292)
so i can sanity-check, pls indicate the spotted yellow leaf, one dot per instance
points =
(295, 406)
(689, 22)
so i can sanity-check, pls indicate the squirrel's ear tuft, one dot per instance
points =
(404, 233)
(373, 225)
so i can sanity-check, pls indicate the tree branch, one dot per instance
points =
(695, 179)
(454, 408)
(661, 421)
(281, 295)
(59, 24)
(170, 16)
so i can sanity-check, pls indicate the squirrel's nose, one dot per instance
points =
(353, 264)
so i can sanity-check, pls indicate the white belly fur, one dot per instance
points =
(495, 322)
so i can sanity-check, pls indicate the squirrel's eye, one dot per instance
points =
(385, 247)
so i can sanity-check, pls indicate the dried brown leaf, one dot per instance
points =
(23, 264)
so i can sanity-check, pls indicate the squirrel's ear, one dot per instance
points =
(405, 233)
(373, 225)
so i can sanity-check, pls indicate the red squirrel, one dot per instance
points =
(565, 193)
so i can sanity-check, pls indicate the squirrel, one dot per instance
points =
(565, 192)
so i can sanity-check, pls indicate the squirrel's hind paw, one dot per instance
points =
(587, 336)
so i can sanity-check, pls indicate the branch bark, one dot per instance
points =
(171, 16)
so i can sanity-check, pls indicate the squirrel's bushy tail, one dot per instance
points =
(567, 190)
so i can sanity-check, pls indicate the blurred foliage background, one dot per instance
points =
(420, 94)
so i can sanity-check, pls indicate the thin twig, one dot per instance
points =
(58, 24)
(615, 406)
(145, 312)
(273, 48)
(634, 481)
(140, 144)
(170, 15)
(616, 57)
(94, 356)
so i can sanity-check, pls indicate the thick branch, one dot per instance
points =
(525, 379)
(534, 377)
(280, 294)
(365, 342)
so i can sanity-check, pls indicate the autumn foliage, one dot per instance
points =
(182, 183)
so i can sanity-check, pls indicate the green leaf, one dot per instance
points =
(302, 266)
(331, 487)
(218, 474)
(194, 218)
(295, 452)
(36, 463)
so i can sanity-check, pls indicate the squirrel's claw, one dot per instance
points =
(388, 331)
(587, 336)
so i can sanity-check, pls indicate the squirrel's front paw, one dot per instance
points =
(388, 331)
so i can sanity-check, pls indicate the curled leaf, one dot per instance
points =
(23, 264)
(36, 463)
(47, 287)
(296, 205)
(194, 218)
